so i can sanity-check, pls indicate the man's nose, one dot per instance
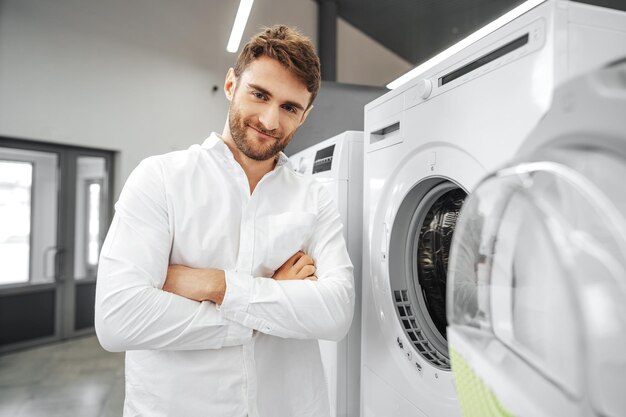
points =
(269, 117)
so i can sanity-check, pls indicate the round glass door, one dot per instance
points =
(539, 263)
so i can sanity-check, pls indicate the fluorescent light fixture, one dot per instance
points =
(240, 24)
(464, 43)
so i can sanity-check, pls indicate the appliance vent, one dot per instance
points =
(413, 330)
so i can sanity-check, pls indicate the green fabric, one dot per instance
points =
(476, 399)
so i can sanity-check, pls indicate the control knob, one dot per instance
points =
(424, 88)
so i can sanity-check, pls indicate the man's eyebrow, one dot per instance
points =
(267, 93)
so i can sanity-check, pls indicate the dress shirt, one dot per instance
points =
(257, 354)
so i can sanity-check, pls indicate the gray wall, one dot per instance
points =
(337, 108)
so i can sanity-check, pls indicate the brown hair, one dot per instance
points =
(289, 47)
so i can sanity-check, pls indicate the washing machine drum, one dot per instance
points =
(418, 264)
(537, 280)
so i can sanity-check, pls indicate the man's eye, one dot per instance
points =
(258, 95)
(290, 109)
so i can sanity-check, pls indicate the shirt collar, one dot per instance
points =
(214, 141)
(283, 160)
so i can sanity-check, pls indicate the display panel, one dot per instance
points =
(323, 159)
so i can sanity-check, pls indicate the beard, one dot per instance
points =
(249, 146)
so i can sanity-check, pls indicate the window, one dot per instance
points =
(16, 178)
(91, 173)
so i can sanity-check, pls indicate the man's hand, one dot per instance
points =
(299, 266)
(205, 284)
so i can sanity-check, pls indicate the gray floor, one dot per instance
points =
(75, 378)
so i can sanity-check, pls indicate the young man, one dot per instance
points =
(207, 278)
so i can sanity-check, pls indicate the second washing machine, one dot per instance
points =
(337, 162)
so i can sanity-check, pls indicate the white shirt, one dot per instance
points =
(256, 354)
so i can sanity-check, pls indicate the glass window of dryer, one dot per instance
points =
(418, 262)
(549, 261)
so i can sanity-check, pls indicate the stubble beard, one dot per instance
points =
(247, 146)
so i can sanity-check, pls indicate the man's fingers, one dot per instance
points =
(311, 278)
(298, 266)
(294, 258)
(303, 261)
(306, 271)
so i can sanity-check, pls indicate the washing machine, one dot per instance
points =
(537, 283)
(338, 163)
(427, 145)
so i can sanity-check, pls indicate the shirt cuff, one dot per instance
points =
(237, 297)
(236, 334)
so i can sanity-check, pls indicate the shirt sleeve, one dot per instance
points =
(300, 309)
(131, 311)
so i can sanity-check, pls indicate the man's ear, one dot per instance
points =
(305, 115)
(229, 84)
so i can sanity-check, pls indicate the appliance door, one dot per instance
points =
(537, 286)
(413, 223)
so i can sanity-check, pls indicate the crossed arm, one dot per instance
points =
(209, 284)
(144, 303)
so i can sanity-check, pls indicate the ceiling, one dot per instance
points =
(419, 29)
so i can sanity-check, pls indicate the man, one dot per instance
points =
(207, 278)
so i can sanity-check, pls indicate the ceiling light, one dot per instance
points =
(240, 24)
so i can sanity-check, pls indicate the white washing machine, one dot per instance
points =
(338, 163)
(427, 144)
(537, 284)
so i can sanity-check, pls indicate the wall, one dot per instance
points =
(337, 108)
(362, 60)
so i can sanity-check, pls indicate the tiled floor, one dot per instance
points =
(75, 378)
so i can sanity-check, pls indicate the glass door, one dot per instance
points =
(89, 224)
(29, 183)
(55, 207)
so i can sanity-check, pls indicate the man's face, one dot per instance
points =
(267, 105)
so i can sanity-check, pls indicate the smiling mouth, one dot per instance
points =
(267, 135)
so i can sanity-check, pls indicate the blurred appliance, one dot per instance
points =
(537, 294)
(338, 163)
(427, 144)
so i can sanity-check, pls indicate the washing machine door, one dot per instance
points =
(419, 247)
(537, 286)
